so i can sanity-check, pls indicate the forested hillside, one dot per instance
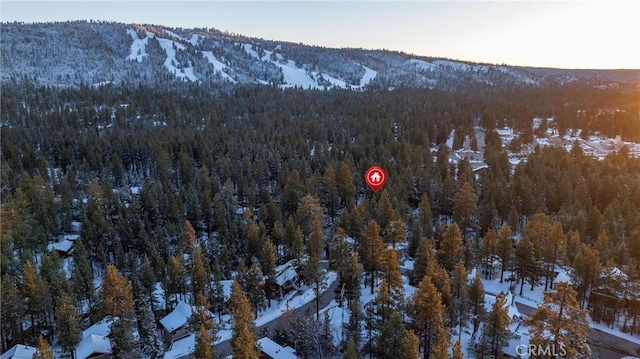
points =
(178, 188)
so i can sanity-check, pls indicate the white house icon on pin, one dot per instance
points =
(375, 177)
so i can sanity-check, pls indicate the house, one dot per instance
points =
(19, 351)
(286, 278)
(272, 350)
(64, 247)
(93, 346)
(175, 325)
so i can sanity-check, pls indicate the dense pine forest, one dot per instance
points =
(187, 186)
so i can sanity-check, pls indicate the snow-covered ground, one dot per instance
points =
(218, 65)
(291, 301)
(170, 47)
(139, 46)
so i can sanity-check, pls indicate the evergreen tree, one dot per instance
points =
(392, 275)
(524, 262)
(345, 186)
(204, 345)
(243, 333)
(396, 233)
(504, 249)
(459, 291)
(35, 291)
(476, 301)
(553, 250)
(495, 333)
(116, 294)
(339, 256)
(428, 312)
(560, 324)
(68, 324)
(585, 270)
(450, 251)
(457, 350)
(199, 273)
(441, 350)
(12, 310)
(465, 205)
(177, 284)
(44, 350)
(188, 239)
(371, 250)
(424, 260)
(315, 243)
(351, 352)
(425, 217)
(121, 337)
(390, 341)
(314, 277)
(269, 268)
(151, 344)
(411, 346)
(253, 285)
(489, 248)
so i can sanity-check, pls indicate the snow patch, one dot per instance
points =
(218, 65)
(170, 47)
(139, 46)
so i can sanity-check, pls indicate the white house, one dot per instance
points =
(19, 351)
(93, 346)
(175, 325)
(273, 350)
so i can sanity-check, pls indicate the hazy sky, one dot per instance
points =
(567, 34)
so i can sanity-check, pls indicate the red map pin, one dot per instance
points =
(375, 178)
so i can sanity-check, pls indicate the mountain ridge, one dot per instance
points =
(76, 52)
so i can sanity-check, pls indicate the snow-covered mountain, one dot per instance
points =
(71, 53)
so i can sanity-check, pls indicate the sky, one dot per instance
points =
(595, 34)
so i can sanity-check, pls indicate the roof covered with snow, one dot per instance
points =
(275, 350)
(61, 246)
(178, 317)
(101, 328)
(286, 275)
(19, 351)
(91, 345)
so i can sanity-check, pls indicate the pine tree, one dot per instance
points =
(253, 285)
(504, 249)
(150, 342)
(560, 324)
(346, 189)
(201, 315)
(424, 260)
(199, 273)
(425, 217)
(585, 270)
(524, 262)
(351, 352)
(371, 250)
(243, 333)
(177, 284)
(411, 346)
(35, 290)
(450, 251)
(314, 277)
(44, 350)
(385, 211)
(204, 347)
(457, 350)
(465, 205)
(441, 350)
(459, 291)
(339, 256)
(392, 275)
(82, 275)
(396, 233)
(315, 243)
(428, 312)
(476, 301)
(489, 248)
(121, 336)
(352, 278)
(495, 333)
(269, 268)
(553, 250)
(116, 294)
(68, 324)
(389, 343)
(12, 309)
(188, 239)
